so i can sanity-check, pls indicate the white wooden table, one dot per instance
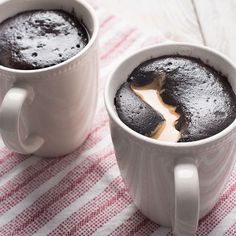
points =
(208, 22)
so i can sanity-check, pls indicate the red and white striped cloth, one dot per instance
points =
(83, 193)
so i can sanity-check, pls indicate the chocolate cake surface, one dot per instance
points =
(136, 113)
(40, 38)
(202, 96)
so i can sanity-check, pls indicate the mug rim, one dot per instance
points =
(113, 115)
(92, 40)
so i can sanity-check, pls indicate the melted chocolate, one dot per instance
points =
(202, 96)
(40, 38)
(136, 113)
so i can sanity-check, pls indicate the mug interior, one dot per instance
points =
(210, 57)
(79, 8)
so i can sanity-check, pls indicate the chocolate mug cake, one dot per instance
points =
(199, 100)
(40, 38)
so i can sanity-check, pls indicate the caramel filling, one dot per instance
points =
(151, 94)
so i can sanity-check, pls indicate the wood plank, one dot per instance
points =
(217, 20)
(175, 18)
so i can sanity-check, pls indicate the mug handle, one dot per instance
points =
(187, 197)
(10, 112)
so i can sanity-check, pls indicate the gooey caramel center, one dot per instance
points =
(151, 94)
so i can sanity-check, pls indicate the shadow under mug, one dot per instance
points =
(173, 184)
(49, 111)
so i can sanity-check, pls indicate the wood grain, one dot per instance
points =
(175, 18)
(217, 21)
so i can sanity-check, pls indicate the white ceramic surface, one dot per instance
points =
(49, 111)
(174, 184)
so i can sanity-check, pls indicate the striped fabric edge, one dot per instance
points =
(92, 207)
(222, 208)
(225, 225)
(231, 231)
(61, 194)
(43, 167)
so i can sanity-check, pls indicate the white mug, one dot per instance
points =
(173, 184)
(49, 111)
